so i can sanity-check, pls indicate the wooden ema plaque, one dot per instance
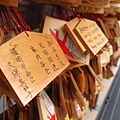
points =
(91, 35)
(9, 2)
(64, 3)
(45, 106)
(69, 26)
(66, 43)
(30, 63)
(105, 58)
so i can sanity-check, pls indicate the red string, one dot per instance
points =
(11, 20)
(6, 17)
(20, 19)
(53, 9)
(38, 96)
(20, 108)
(26, 33)
(65, 14)
(74, 12)
(3, 23)
(10, 105)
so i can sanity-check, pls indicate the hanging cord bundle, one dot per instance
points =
(64, 13)
(22, 23)
(11, 21)
(66, 97)
(11, 25)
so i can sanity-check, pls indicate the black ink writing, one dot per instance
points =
(92, 25)
(13, 51)
(15, 72)
(23, 66)
(41, 45)
(33, 49)
(9, 64)
(83, 29)
(54, 67)
(62, 63)
(94, 46)
(98, 43)
(50, 59)
(19, 59)
(45, 52)
(47, 71)
(42, 64)
(53, 50)
(49, 43)
(90, 41)
(29, 94)
(38, 57)
(58, 57)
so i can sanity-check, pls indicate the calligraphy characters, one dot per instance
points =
(16, 73)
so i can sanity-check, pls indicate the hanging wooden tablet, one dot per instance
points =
(110, 49)
(30, 63)
(9, 2)
(117, 39)
(108, 30)
(57, 30)
(105, 58)
(79, 78)
(117, 9)
(103, 27)
(8, 36)
(115, 3)
(91, 35)
(1, 35)
(94, 5)
(5, 87)
(69, 26)
(95, 2)
(67, 4)
(116, 28)
(59, 99)
(45, 107)
(89, 9)
(71, 1)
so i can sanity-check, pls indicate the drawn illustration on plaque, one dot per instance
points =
(52, 117)
(66, 44)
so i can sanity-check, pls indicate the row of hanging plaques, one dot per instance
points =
(30, 61)
(17, 64)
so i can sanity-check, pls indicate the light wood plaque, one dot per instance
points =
(30, 63)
